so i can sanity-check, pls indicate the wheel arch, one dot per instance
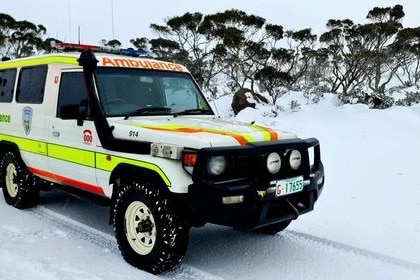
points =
(6, 146)
(130, 172)
(123, 173)
(27, 190)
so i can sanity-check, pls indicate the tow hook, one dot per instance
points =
(294, 209)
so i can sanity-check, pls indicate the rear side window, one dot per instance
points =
(7, 84)
(31, 85)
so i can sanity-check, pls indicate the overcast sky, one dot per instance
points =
(127, 19)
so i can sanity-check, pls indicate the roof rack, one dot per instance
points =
(69, 47)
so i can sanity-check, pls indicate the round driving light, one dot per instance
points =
(295, 159)
(217, 165)
(273, 163)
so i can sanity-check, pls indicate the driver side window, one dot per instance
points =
(72, 96)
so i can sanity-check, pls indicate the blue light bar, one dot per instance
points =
(133, 52)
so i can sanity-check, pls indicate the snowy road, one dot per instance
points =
(214, 252)
(365, 226)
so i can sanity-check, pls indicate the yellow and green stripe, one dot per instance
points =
(43, 60)
(102, 161)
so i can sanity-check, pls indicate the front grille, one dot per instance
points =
(249, 162)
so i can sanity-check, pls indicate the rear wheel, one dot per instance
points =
(150, 233)
(19, 186)
(274, 228)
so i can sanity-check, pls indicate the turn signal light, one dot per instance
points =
(188, 160)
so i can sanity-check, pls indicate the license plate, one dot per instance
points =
(289, 186)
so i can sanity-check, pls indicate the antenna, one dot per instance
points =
(112, 19)
(69, 17)
(78, 33)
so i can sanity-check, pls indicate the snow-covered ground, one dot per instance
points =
(366, 224)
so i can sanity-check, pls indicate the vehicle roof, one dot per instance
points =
(104, 59)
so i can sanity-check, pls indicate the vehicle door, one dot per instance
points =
(73, 138)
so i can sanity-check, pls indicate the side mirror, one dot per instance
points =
(72, 112)
(69, 112)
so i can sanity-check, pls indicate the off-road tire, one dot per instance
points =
(19, 186)
(150, 233)
(274, 228)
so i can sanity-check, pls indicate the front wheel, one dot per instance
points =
(19, 186)
(150, 232)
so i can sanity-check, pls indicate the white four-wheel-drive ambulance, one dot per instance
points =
(138, 134)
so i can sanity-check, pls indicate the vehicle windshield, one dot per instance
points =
(138, 92)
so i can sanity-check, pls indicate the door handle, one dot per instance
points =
(56, 133)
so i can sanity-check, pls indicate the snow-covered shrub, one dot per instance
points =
(314, 97)
(294, 105)
(409, 99)
(373, 100)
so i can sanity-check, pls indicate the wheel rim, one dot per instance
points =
(140, 227)
(12, 187)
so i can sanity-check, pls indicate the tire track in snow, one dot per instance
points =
(186, 272)
(323, 242)
(78, 229)
(107, 241)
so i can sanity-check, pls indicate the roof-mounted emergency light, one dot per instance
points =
(67, 47)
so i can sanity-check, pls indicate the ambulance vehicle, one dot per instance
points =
(137, 134)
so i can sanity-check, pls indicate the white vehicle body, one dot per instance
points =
(57, 150)
(139, 134)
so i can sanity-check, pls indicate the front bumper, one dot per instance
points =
(258, 204)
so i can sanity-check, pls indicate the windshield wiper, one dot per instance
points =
(146, 110)
(196, 111)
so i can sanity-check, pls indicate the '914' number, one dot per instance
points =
(133, 133)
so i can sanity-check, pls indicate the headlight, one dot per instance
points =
(217, 165)
(273, 163)
(295, 159)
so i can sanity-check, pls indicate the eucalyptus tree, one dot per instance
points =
(140, 43)
(183, 40)
(20, 38)
(407, 51)
(114, 43)
(239, 47)
(347, 54)
(6, 23)
(296, 56)
(379, 36)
